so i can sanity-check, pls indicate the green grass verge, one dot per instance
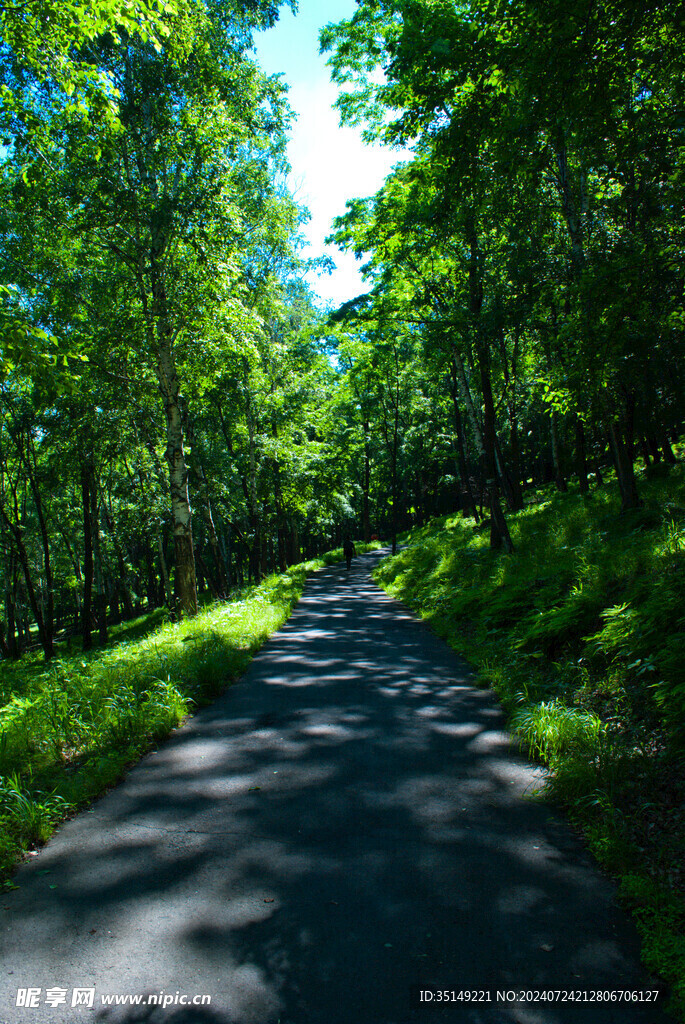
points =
(581, 633)
(71, 729)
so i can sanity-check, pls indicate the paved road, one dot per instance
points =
(348, 825)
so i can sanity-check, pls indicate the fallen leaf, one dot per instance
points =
(269, 901)
(546, 946)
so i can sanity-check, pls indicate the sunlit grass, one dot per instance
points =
(581, 633)
(70, 729)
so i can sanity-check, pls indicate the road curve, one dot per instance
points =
(345, 834)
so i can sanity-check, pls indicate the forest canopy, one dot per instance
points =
(178, 417)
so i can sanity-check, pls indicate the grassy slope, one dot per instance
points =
(70, 730)
(581, 632)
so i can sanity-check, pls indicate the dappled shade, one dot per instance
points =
(347, 824)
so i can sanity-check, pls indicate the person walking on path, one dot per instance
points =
(349, 551)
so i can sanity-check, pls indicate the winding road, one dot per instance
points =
(347, 836)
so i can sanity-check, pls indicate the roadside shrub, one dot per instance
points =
(551, 729)
(669, 689)
(29, 816)
(660, 920)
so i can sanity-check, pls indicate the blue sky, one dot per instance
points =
(330, 164)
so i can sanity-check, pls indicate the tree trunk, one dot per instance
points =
(625, 471)
(517, 490)
(164, 573)
(184, 576)
(13, 649)
(264, 557)
(100, 591)
(574, 212)
(470, 502)
(44, 636)
(222, 586)
(49, 606)
(86, 612)
(653, 448)
(581, 459)
(557, 457)
(280, 513)
(42, 609)
(366, 520)
(665, 445)
(209, 577)
(123, 585)
(504, 477)
(394, 480)
(255, 523)
(647, 450)
(499, 531)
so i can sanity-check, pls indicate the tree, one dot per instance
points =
(557, 106)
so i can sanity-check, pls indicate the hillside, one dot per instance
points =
(581, 633)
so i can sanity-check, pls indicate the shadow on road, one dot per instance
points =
(345, 827)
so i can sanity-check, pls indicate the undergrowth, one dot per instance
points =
(581, 633)
(70, 729)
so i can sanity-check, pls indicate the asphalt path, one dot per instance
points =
(347, 828)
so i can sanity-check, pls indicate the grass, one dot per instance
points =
(71, 729)
(581, 633)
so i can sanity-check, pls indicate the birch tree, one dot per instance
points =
(163, 199)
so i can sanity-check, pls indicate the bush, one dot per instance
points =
(660, 919)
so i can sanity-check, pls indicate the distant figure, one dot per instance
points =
(349, 551)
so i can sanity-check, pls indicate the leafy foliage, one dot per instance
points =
(661, 922)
